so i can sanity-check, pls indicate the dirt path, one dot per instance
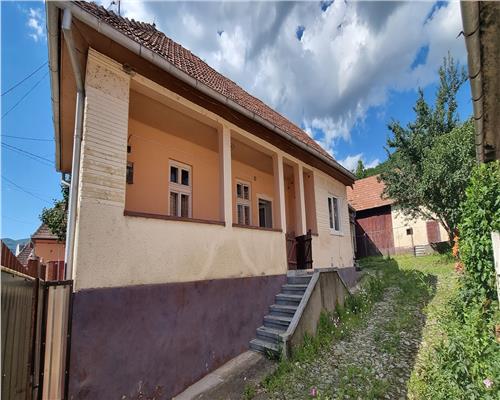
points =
(374, 362)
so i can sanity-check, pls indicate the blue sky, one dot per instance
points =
(351, 121)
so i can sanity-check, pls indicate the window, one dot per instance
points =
(180, 190)
(265, 214)
(334, 214)
(130, 172)
(243, 203)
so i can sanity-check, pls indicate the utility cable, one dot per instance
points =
(24, 79)
(33, 156)
(25, 95)
(25, 190)
(27, 138)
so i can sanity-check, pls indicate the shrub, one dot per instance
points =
(480, 215)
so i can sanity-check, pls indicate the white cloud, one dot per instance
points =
(347, 61)
(36, 24)
(351, 162)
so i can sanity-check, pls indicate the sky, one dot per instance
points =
(340, 70)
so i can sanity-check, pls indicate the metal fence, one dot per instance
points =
(19, 297)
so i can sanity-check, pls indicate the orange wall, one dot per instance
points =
(158, 134)
(260, 183)
(49, 250)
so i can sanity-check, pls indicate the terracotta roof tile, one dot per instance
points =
(148, 36)
(25, 253)
(367, 193)
(43, 232)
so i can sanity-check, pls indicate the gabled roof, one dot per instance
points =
(44, 232)
(367, 193)
(25, 253)
(148, 36)
(170, 56)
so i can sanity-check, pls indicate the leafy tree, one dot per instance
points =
(56, 217)
(360, 170)
(377, 170)
(432, 156)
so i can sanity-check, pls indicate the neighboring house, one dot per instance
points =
(185, 192)
(43, 245)
(381, 228)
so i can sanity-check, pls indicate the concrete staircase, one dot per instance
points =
(268, 340)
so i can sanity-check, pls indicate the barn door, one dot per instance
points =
(433, 234)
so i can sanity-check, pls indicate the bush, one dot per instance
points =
(466, 362)
(480, 216)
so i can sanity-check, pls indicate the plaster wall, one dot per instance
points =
(49, 250)
(400, 223)
(331, 249)
(116, 250)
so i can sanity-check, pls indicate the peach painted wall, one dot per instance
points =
(49, 250)
(261, 183)
(158, 134)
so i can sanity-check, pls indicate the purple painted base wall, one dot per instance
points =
(162, 338)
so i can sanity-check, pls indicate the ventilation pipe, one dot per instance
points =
(77, 144)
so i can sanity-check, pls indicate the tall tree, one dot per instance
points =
(56, 217)
(360, 170)
(431, 158)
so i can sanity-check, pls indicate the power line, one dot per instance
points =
(27, 138)
(25, 190)
(26, 94)
(24, 79)
(33, 156)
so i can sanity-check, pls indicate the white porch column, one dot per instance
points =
(225, 175)
(279, 211)
(300, 202)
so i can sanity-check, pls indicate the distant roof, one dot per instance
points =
(25, 253)
(148, 36)
(44, 232)
(367, 193)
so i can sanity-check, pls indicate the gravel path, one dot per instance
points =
(373, 362)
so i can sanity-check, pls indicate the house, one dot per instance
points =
(187, 198)
(48, 249)
(382, 229)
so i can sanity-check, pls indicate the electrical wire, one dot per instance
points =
(28, 154)
(27, 138)
(26, 94)
(25, 190)
(24, 79)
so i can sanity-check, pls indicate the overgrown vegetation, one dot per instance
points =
(431, 159)
(465, 362)
(317, 366)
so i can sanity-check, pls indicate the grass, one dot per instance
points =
(420, 287)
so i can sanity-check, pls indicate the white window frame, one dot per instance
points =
(244, 202)
(269, 199)
(330, 200)
(179, 189)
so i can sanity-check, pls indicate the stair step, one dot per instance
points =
(270, 334)
(293, 289)
(277, 321)
(288, 299)
(263, 346)
(299, 279)
(280, 309)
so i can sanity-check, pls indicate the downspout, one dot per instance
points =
(77, 144)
